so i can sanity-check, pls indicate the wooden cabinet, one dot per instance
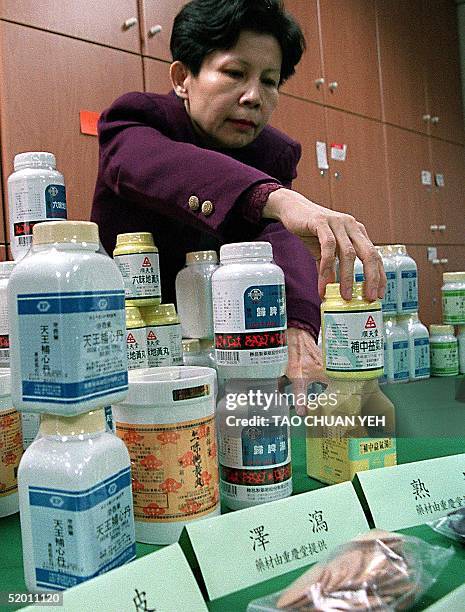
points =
(156, 76)
(350, 56)
(41, 110)
(114, 24)
(305, 122)
(308, 81)
(157, 18)
(358, 184)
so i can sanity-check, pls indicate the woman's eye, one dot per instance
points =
(270, 82)
(235, 74)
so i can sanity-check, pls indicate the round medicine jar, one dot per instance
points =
(444, 351)
(164, 338)
(11, 448)
(453, 298)
(136, 338)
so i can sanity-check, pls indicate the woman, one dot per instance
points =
(200, 167)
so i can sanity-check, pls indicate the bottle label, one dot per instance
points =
(409, 291)
(78, 535)
(353, 340)
(444, 359)
(11, 450)
(400, 353)
(136, 343)
(250, 323)
(72, 345)
(422, 357)
(141, 275)
(461, 339)
(4, 334)
(389, 304)
(453, 306)
(30, 424)
(164, 345)
(174, 469)
(360, 277)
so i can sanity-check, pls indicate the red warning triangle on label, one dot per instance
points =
(151, 336)
(131, 339)
(146, 263)
(370, 324)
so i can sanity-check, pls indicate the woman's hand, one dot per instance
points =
(327, 233)
(305, 364)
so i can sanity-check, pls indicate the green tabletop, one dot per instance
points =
(422, 407)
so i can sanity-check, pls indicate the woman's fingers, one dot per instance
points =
(327, 264)
(347, 254)
(373, 270)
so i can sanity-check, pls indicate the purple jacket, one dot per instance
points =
(152, 162)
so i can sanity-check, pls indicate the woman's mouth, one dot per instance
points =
(243, 124)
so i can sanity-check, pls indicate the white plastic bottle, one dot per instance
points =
(249, 312)
(444, 351)
(6, 268)
(461, 341)
(418, 341)
(30, 424)
(67, 323)
(198, 353)
(36, 192)
(389, 303)
(396, 364)
(359, 276)
(453, 298)
(407, 279)
(194, 294)
(75, 498)
(11, 448)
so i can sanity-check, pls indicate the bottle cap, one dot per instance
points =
(453, 277)
(201, 257)
(91, 422)
(333, 290)
(139, 238)
(50, 232)
(6, 268)
(133, 317)
(162, 314)
(246, 250)
(34, 159)
(441, 329)
(190, 345)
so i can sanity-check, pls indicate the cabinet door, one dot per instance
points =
(115, 26)
(306, 81)
(449, 165)
(443, 70)
(350, 56)
(157, 22)
(403, 63)
(358, 184)
(305, 122)
(35, 117)
(157, 76)
(412, 204)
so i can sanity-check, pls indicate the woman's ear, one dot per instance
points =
(179, 74)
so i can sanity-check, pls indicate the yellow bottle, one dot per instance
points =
(136, 338)
(137, 259)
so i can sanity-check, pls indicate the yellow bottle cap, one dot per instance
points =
(333, 290)
(201, 257)
(138, 238)
(133, 317)
(441, 329)
(163, 314)
(453, 277)
(50, 232)
(91, 422)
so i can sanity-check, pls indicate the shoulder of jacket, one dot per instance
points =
(279, 145)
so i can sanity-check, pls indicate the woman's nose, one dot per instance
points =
(252, 95)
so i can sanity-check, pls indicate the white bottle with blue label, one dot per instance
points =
(75, 500)
(67, 323)
(407, 280)
(418, 340)
(396, 356)
(389, 302)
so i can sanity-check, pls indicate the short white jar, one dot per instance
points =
(453, 298)
(444, 351)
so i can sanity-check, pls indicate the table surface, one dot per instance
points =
(420, 407)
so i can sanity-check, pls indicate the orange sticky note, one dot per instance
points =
(88, 120)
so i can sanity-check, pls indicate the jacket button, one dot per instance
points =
(194, 203)
(207, 208)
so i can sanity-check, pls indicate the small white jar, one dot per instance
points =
(6, 268)
(194, 294)
(419, 351)
(67, 323)
(36, 192)
(389, 302)
(249, 312)
(407, 279)
(453, 298)
(444, 351)
(168, 425)
(76, 509)
(461, 341)
(198, 352)
(11, 448)
(396, 356)
(359, 275)
(30, 424)
(164, 338)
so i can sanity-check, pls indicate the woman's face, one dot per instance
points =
(231, 99)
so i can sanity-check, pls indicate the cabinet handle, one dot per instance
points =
(129, 23)
(442, 228)
(333, 86)
(433, 228)
(436, 262)
(319, 82)
(426, 118)
(435, 120)
(155, 30)
(444, 260)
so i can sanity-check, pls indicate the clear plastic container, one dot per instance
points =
(136, 338)
(6, 268)
(67, 323)
(164, 338)
(407, 279)
(249, 312)
(76, 503)
(168, 424)
(444, 351)
(453, 298)
(194, 294)
(396, 360)
(36, 192)
(418, 339)
(11, 448)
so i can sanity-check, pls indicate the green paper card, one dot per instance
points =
(454, 601)
(243, 548)
(159, 581)
(414, 493)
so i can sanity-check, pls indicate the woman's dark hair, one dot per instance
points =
(203, 26)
